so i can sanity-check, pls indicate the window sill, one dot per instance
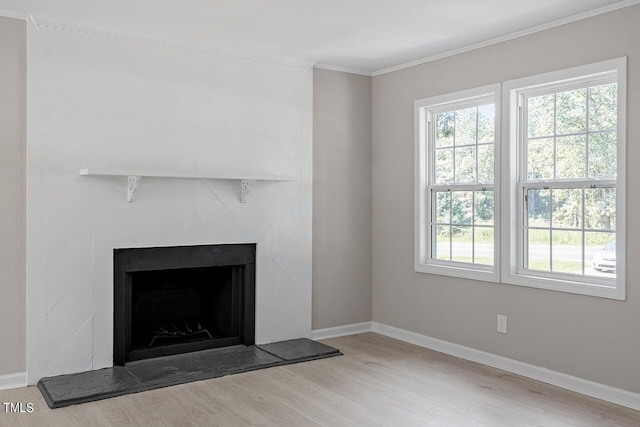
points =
(573, 287)
(458, 272)
(567, 286)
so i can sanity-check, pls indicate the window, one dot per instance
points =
(561, 192)
(456, 194)
(565, 186)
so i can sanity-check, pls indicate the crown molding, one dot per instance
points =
(50, 24)
(12, 14)
(42, 23)
(342, 69)
(510, 36)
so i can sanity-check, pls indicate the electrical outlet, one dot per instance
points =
(502, 323)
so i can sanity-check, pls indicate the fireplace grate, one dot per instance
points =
(183, 332)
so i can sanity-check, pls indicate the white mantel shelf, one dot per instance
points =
(134, 177)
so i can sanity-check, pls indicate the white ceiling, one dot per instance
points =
(365, 36)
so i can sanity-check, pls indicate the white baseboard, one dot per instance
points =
(10, 381)
(579, 385)
(340, 331)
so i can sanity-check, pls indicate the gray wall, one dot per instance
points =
(588, 337)
(592, 338)
(12, 195)
(341, 199)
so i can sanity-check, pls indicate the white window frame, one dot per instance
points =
(513, 206)
(424, 176)
(508, 206)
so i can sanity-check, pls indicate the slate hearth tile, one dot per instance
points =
(201, 365)
(299, 350)
(65, 390)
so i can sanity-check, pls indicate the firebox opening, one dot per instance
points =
(181, 306)
(175, 300)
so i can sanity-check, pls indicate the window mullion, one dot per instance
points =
(523, 247)
(567, 184)
(555, 137)
(551, 230)
(587, 136)
(462, 187)
(522, 237)
(584, 234)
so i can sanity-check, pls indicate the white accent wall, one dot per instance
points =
(100, 101)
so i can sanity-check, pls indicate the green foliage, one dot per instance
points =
(597, 239)
(572, 136)
(558, 265)
(464, 145)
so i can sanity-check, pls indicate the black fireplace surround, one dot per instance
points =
(170, 300)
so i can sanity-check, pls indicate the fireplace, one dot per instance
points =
(170, 300)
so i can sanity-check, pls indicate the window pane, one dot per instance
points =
(594, 241)
(461, 207)
(539, 250)
(444, 129)
(567, 208)
(483, 208)
(539, 202)
(465, 165)
(603, 107)
(483, 245)
(486, 123)
(443, 203)
(444, 165)
(571, 157)
(567, 251)
(485, 163)
(571, 112)
(540, 159)
(600, 254)
(603, 155)
(540, 116)
(567, 147)
(461, 152)
(443, 243)
(466, 126)
(600, 208)
(461, 245)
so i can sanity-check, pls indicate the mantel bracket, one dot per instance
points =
(245, 189)
(132, 185)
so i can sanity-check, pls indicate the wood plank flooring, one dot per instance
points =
(378, 382)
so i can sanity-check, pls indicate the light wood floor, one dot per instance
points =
(378, 382)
